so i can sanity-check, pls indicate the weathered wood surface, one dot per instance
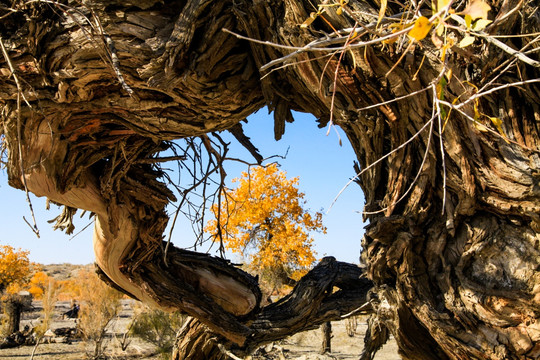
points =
(109, 81)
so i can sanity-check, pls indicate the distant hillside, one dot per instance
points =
(64, 271)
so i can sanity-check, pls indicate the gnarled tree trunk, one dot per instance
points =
(13, 307)
(91, 92)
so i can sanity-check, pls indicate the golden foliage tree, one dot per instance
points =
(15, 268)
(39, 283)
(47, 289)
(15, 272)
(264, 219)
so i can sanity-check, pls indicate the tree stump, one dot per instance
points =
(326, 330)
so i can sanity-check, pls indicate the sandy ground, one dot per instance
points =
(302, 346)
(307, 345)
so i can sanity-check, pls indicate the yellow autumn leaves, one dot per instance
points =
(339, 6)
(474, 17)
(420, 29)
(15, 269)
(264, 219)
(18, 273)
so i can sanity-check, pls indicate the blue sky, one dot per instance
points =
(323, 166)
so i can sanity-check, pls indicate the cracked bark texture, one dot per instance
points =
(108, 82)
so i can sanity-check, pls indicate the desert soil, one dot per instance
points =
(302, 346)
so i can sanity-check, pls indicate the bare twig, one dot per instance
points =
(19, 134)
(505, 16)
(492, 90)
(493, 132)
(115, 63)
(435, 113)
(336, 72)
(414, 93)
(418, 173)
(292, 63)
(9, 10)
(38, 341)
(437, 106)
(207, 159)
(364, 308)
(161, 159)
(492, 40)
(227, 352)
(322, 45)
(430, 122)
(84, 228)
(518, 54)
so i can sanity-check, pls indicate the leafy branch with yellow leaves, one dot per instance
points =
(451, 26)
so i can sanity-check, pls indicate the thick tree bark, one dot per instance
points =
(454, 267)
(326, 332)
(13, 308)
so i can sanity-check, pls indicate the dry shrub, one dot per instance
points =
(99, 305)
(157, 327)
(49, 296)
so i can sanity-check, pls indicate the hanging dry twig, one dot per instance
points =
(20, 94)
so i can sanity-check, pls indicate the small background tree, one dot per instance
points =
(15, 272)
(46, 289)
(15, 267)
(39, 284)
(50, 289)
(264, 220)
(100, 304)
